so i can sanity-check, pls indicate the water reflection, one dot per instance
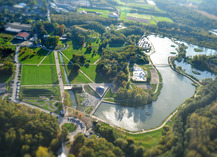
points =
(176, 88)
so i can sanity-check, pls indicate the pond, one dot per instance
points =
(176, 88)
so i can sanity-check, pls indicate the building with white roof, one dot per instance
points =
(139, 75)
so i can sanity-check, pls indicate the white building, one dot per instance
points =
(113, 15)
(139, 75)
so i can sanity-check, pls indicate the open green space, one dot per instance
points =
(104, 12)
(147, 140)
(73, 48)
(40, 92)
(91, 72)
(75, 77)
(38, 75)
(33, 55)
(69, 126)
(109, 94)
(5, 39)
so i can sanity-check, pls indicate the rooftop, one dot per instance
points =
(16, 25)
(22, 34)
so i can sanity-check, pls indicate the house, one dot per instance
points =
(16, 27)
(113, 15)
(22, 36)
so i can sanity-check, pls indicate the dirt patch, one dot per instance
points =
(154, 76)
(137, 19)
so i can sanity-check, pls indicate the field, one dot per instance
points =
(76, 78)
(5, 39)
(39, 75)
(73, 48)
(105, 12)
(91, 72)
(34, 56)
(69, 126)
(35, 92)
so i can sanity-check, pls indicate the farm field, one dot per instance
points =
(32, 55)
(39, 75)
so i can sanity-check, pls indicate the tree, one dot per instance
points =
(76, 67)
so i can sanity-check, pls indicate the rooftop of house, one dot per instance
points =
(23, 34)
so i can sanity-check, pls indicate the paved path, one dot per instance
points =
(59, 76)
(44, 58)
(16, 59)
(96, 61)
(86, 76)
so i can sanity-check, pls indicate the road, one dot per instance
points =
(16, 59)
(59, 76)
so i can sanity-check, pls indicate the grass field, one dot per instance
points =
(147, 140)
(39, 75)
(27, 55)
(105, 12)
(69, 126)
(91, 72)
(34, 92)
(5, 39)
(76, 78)
(80, 50)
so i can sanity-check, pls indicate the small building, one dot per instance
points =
(139, 75)
(100, 89)
(113, 15)
(83, 12)
(22, 36)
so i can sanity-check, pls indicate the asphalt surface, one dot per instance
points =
(16, 59)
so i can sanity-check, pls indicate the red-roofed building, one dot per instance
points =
(22, 36)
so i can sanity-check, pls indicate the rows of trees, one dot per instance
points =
(24, 129)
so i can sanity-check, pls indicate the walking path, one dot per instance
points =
(44, 58)
(79, 70)
(59, 76)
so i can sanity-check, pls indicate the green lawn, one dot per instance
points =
(5, 39)
(105, 12)
(81, 50)
(148, 140)
(35, 92)
(49, 59)
(69, 126)
(38, 75)
(143, 16)
(76, 77)
(27, 55)
(109, 94)
(91, 72)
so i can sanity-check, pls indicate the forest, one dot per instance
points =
(24, 129)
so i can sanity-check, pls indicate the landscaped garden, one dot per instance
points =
(69, 126)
